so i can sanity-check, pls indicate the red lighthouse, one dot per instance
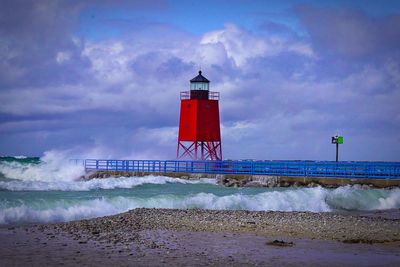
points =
(199, 131)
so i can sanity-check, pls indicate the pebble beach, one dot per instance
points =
(194, 237)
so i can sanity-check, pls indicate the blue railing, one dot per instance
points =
(376, 170)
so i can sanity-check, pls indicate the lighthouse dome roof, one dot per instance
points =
(199, 78)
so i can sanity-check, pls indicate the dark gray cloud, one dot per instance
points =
(351, 33)
(37, 45)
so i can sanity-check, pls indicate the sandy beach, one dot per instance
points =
(168, 237)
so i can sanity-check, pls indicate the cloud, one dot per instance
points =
(350, 33)
(241, 45)
(282, 95)
(36, 37)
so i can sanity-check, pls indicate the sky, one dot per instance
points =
(101, 79)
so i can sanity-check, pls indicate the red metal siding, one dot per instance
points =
(199, 121)
(208, 121)
(187, 122)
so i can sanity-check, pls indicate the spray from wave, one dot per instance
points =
(53, 166)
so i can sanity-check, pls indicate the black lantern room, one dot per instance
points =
(199, 87)
(199, 83)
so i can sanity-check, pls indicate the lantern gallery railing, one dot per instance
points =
(211, 95)
(375, 170)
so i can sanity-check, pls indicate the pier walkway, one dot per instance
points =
(361, 170)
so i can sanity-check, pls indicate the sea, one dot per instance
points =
(48, 189)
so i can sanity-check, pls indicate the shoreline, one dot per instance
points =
(322, 225)
(236, 180)
(158, 237)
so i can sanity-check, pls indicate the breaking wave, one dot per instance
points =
(93, 184)
(53, 166)
(305, 199)
(53, 172)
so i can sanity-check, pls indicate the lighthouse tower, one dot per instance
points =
(199, 132)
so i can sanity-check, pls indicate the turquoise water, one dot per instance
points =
(49, 190)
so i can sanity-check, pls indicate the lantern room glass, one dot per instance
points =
(199, 86)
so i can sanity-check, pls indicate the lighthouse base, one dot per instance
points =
(199, 150)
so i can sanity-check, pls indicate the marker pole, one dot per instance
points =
(337, 152)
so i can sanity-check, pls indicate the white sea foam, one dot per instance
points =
(20, 157)
(54, 166)
(305, 199)
(93, 184)
(86, 209)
